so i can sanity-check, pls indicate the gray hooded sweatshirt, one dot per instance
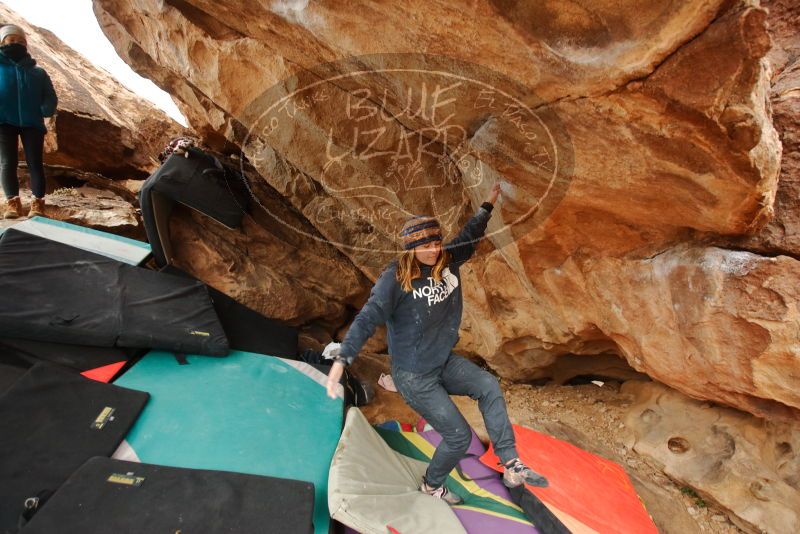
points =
(422, 325)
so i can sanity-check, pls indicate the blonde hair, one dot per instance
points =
(408, 268)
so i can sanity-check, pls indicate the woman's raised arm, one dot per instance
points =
(462, 247)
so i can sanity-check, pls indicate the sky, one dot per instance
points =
(73, 21)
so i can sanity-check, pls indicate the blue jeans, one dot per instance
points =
(33, 145)
(429, 395)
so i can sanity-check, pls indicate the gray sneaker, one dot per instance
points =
(515, 473)
(441, 493)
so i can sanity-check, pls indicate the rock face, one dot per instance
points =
(782, 234)
(635, 142)
(100, 126)
(748, 465)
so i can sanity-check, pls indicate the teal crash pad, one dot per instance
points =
(246, 413)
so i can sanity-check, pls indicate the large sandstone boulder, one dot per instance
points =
(635, 143)
(782, 234)
(748, 465)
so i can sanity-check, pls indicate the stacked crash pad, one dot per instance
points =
(247, 413)
(244, 328)
(488, 505)
(128, 498)
(112, 246)
(76, 298)
(98, 363)
(58, 293)
(373, 489)
(51, 422)
(17, 354)
(375, 473)
(374, 484)
(248, 330)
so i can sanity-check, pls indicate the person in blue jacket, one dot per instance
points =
(26, 97)
(418, 297)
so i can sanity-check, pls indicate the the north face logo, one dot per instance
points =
(436, 293)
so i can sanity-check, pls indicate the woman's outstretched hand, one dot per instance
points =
(334, 375)
(493, 194)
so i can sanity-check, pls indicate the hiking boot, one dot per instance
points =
(37, 207)
(13, 208)
(515, 473)
(440, 493)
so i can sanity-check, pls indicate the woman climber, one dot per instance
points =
(418, 297)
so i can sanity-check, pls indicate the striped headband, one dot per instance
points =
(419, 230)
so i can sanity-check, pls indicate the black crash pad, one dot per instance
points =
(246, 329)
(51, 422)
(108, 495)
(57, 293)
(197, 180)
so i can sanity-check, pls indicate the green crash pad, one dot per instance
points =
(246, 413)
